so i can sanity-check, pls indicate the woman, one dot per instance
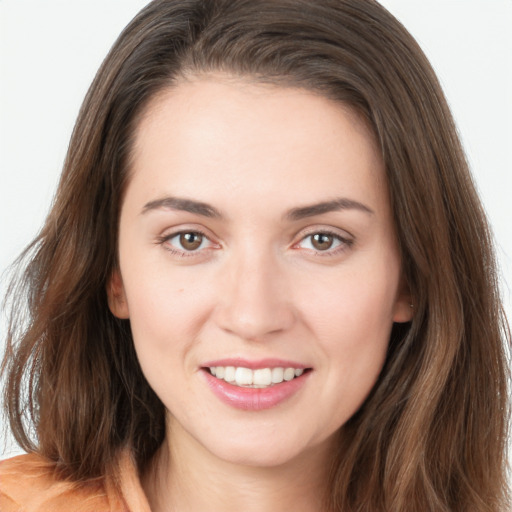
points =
(266, 279)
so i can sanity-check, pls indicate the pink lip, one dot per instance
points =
(254, 399)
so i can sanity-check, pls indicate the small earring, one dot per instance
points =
(411, 305)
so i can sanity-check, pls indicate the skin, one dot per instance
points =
(256, 287)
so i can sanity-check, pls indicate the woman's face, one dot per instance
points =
(257, 243)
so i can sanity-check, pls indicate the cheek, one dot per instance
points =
(352, 316)
(165, 315)
(356, 344)
(352, 327)
(166, 311)
(352, 302)
(169, 309)
(166, 320)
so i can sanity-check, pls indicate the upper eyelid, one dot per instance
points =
(171, 232)
(312, 230)
(174, 234)
(339, 233)
(342, 240)
(345, 239)
(164, 241)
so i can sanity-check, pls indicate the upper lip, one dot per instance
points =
(254, 364)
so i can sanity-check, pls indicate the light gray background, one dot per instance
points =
(51, 49)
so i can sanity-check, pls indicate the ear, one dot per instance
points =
(404, 306)
(116, 296)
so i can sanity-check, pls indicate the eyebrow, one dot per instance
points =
(206, 210)
(185, 205)
(338, 204)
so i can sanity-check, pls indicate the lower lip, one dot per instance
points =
(254, 399)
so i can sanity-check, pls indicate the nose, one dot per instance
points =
(255, 301)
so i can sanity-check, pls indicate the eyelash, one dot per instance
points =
(163, 240)
(344, 243)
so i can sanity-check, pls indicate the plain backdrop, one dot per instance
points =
(51, 49)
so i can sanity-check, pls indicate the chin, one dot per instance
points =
(257, 457)
(262, 452)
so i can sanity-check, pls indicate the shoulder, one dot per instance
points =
(29, 483)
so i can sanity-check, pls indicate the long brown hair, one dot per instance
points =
(432, 434)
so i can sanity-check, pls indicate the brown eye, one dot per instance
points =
(325, 243)
(191, 241)
(322, 241)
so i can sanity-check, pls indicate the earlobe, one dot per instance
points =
(404, 310)
(404, 304)
(116, 296)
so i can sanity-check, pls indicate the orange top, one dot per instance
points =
(28, 484)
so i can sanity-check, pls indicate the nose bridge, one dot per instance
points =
(256, 302)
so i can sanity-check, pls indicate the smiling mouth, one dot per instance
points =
(260, 378)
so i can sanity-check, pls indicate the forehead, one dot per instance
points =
(196, 96)
(220, 134)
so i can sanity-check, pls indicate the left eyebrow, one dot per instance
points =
(338, 204)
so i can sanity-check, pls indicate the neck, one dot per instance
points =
(185, 476)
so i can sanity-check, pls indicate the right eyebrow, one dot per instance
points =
(182, 204)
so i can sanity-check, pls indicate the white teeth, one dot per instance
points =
(260, 378)
(277, 375)
(289, 374)
(243, 376)
(229, 373)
